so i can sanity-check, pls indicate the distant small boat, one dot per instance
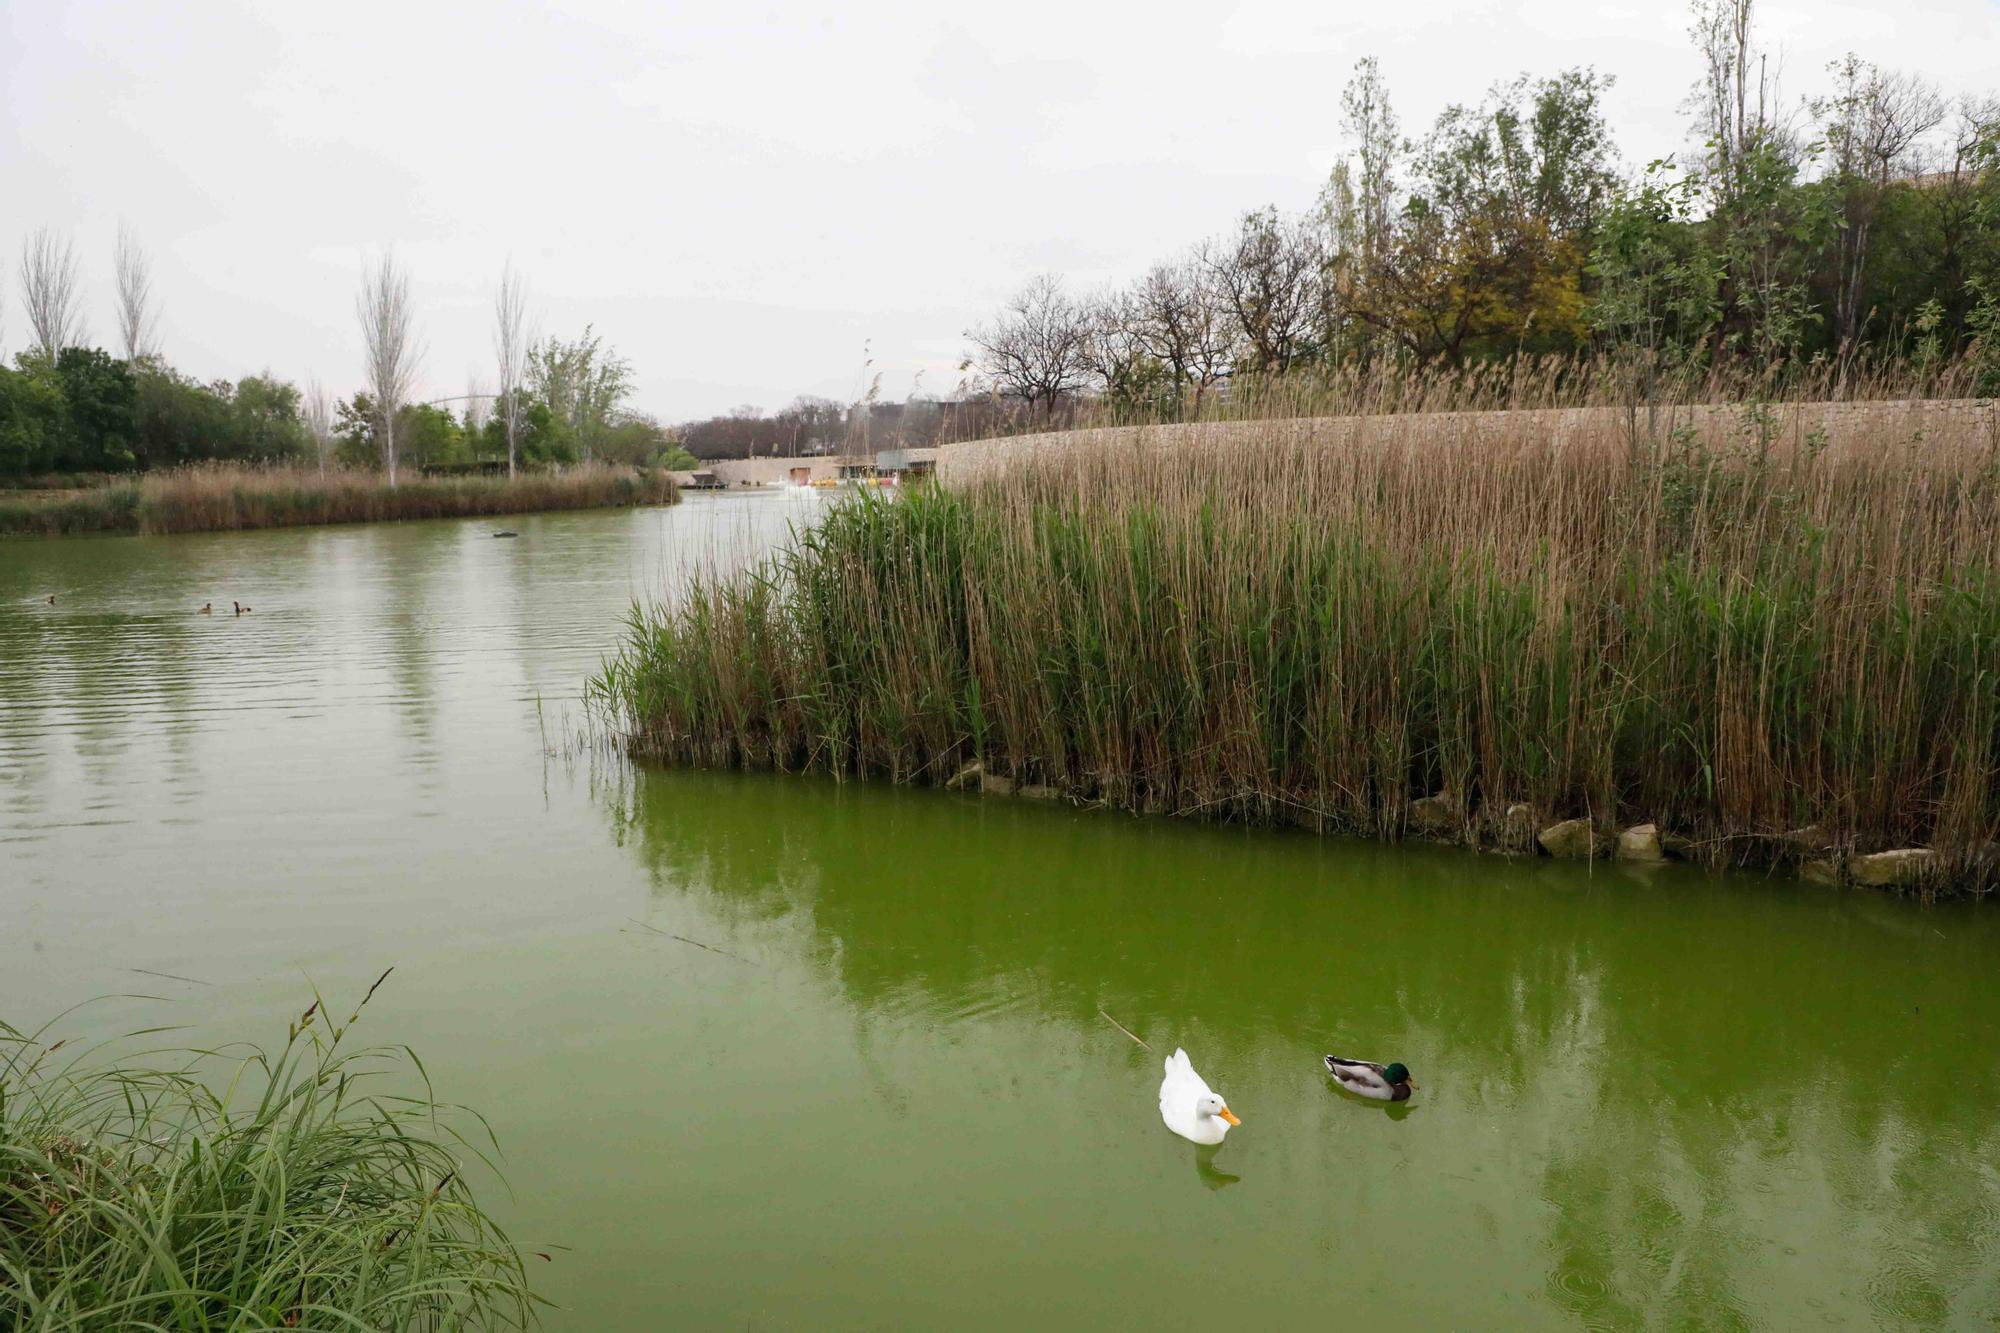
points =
(506, 534)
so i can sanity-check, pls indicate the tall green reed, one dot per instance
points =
(1770, 638)
(309, 1186)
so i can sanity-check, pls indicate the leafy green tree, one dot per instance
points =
(31, 421)
(428, 436)
(1486, 252)
(1658, 285)
(1770, 237)
(583, 383)
(183, 421)
(100, 412)
(537, 440)
(179, 420)
(354, 424)
(269, 424)
(633, 438)
(1983, 322)
(1871, 127)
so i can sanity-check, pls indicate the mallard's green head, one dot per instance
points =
(1397, 1073)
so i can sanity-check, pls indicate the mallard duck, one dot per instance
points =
(207, 609)
(1188, 1107)
(1385, 1083)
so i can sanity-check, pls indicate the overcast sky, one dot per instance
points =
(740, 196)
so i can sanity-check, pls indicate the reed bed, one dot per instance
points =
(1393, 385)
(1396, 386)
(319, 1188)
(212, 499)
(1773, 632)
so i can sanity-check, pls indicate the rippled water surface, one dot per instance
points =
(772, 1052)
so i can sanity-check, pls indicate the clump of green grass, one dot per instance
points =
(308, 1187)
(227, 498)
(1775, 639)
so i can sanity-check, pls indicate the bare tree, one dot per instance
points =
(810, 425)
(1872, 126)
(478, 404)
(1737, 105)
(1270, 275)
(392, 348)
(1035, 349)
(138, 321)
(51, 292)
(510, 345)
(319, 421)
(1182, 317)
(1749, 159)
(1113, 350)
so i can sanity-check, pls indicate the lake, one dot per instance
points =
(773, 1052)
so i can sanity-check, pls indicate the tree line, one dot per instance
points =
(1849, 231)
(68, 406)
(810, 426)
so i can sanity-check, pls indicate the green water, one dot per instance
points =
(883, 1095)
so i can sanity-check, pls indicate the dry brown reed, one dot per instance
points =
(230, 497)
(1773, 632)
(1390, 385)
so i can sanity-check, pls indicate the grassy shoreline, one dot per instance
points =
(1779, 648)
(307, 1186)
(219, 499)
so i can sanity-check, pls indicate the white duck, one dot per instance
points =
(1187, 1105)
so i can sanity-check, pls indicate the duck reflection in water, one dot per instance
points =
(1212, 1177)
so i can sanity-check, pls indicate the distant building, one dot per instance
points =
(905, 465)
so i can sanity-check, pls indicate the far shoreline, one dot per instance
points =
(224, 499)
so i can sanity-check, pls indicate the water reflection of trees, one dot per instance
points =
(1715, 1094)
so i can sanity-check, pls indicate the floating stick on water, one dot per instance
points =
(685, 940)
(1123, 1029)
